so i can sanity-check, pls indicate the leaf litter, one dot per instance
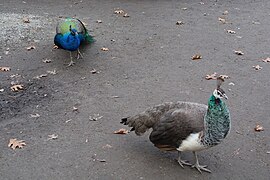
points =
(4, 69)
(196, 57)
(14, 143)
(121, 131)
(258, 128)
(257, 67)
(16, 87)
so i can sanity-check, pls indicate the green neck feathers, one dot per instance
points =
(217, 122)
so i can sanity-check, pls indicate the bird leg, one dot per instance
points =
(182, 162)
(71, 62)
(199, 167)
(79, 54)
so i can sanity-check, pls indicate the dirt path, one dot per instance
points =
(148, 62)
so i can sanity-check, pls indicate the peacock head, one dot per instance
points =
(73, 31)
(219, 93)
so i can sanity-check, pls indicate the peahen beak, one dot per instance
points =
(225, 96)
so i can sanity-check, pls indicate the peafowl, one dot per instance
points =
(70, 34)
(185, 126)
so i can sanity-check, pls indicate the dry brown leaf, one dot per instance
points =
(231, 31)
(95, 117)
(52, 72)
(257, 67)
(238, 52)
(107, 146)
(53, 136)
(222, 20)
(196, 57)
(30, 48)
(223, 76)
(16, 88)
(105, 49)
(99, 21)
(4, 69)
(179, 22)
(258, 128)
(75, 108)
(14, 143)
(94, 71)
(119, 11)
(41, 76)
(212, 76)
(34, 115)
(225, 13)
(121, 131)
(55, 47)
(26, 20)
(266, 60)
(47, 60)
(126, 15)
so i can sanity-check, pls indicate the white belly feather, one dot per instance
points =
(191, 143)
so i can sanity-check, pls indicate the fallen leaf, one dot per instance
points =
(34, 115)
(55, 47)
(75, 108)
(179, 22)
(224, 76)
(53, 136)
(107, 146)
(26, 20)
(99, 21)
(238, 52)
(41, 76)
(1, 90)
(47, 60)
(16, 88)
(257, 67)
(196, 57)
(126, 15)
(258, 128)
(212, 76)
(222, 20)
(95, 117)
(266, 60)
(121, 131)
(94, 71)
(105, 49)
(231, 31)
(30, 48)
(225, 13)
(4, 69)
(52, 72)
(14, 143)
(119, 11)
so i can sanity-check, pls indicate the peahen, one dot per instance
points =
(185, 126)
(70, 34)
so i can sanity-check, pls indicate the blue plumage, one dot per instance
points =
(70, 34)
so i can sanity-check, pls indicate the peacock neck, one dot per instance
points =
(217, 122)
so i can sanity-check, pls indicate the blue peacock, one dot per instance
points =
(70, 34)
(185, 126)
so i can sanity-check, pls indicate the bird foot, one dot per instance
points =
(183, 162)
(201, 168)
(71, 63)
(79, 55)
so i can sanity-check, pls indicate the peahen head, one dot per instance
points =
(73, 31)
(219, 93)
